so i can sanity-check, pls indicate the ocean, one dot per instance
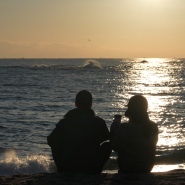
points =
(36, 93)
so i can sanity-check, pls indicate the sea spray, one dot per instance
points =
(92, 64)
(31, 164)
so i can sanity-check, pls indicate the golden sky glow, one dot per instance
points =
(116, 28)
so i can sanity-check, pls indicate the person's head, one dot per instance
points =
(137, 105)
(137, 112)
(83, 99)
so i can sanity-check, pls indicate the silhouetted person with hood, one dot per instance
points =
(76, 140)
(135, 141)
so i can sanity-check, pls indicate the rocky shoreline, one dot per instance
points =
(170, 177)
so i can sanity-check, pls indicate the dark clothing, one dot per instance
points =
(105, 151)
(77, 138)
(136, 151)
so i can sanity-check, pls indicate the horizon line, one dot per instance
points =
(88, 57)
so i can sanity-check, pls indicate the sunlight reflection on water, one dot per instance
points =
(157, 80)
(165, 168)
(35, 94)
(157, 168)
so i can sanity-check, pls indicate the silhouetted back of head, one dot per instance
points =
(137, 108)
(137, 112)
(84, 99)
(138, 103)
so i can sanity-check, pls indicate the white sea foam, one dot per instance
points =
(92, 64)
(40, 66)
(44, 66)
(31, 164)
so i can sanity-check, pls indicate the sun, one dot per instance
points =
(153, 3)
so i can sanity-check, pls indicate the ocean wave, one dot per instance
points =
(13, 165)
(177, 61)
(90, 64)
(31, 164)
(170, 157)
(43, 66)
(176, 157)
(2, 126)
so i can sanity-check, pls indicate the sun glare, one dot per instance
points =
(165, 168)
(152, 78)
(152, 3)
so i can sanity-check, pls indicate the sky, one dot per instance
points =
(92, 28)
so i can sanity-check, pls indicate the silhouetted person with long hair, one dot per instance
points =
(135, 141)
(76, 140)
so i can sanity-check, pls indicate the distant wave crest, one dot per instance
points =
(92, 64)
(88, 64)
(43, 66)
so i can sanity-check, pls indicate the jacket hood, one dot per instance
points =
(79, 111)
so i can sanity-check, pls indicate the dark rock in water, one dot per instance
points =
(144, 61)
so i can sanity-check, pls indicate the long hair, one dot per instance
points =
(137, 112)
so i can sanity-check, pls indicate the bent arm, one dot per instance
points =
(118, 139)
(104, 132)
(53, 139)
(154, 135)
(114, 126)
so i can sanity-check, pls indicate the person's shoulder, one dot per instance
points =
(154, 126)
(129, 130)
(124, 126)
(99, 122)
(70, 114)
(61, 122)
(130, 126)
(127, 124)
(152, 123)
(99, 119)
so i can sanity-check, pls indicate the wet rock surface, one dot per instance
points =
(171, 177)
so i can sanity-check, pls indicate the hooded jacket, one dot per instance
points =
(136, 152)
(79, 135)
